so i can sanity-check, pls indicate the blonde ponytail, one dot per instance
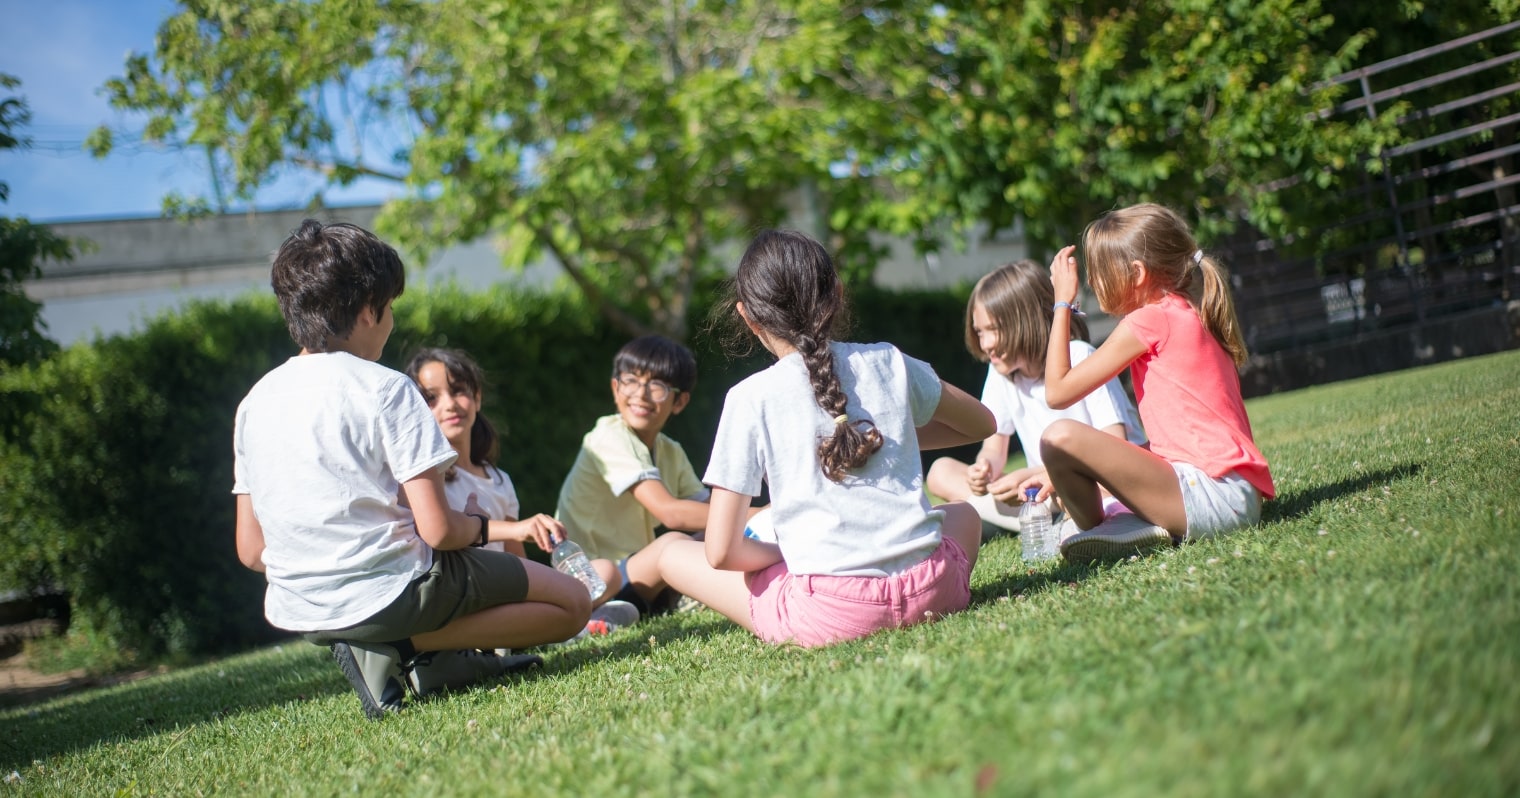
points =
(1216, 308)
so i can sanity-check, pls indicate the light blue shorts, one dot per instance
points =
(1216, 506)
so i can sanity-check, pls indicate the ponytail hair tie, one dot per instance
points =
(1198, 256)
(840, 419)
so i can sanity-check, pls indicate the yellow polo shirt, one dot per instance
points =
(596, 503)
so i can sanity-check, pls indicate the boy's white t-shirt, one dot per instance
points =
(1020, 409)
(495, 494)
(877, 521)
(322, 444)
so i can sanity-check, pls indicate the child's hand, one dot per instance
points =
(472, 507)
(543, 530)
(1037, 479)
(1063, 274)
(977, 475)
(1007, 489)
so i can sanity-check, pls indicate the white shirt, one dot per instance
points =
(875, 522)
(322, 444)
(495, 493)
(1019, 406)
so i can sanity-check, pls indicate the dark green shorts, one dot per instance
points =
(461, 582)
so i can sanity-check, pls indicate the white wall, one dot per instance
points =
(139, 268)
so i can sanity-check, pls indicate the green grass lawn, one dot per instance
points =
(1364, 640)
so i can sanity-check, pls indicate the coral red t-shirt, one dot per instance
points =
(1188, 394)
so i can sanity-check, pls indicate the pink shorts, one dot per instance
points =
(816, 610)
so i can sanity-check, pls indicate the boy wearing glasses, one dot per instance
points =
(630, 477)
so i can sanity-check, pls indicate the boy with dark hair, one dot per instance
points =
(338, 475)
(631, 478)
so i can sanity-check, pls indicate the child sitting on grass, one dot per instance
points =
(338, 475)
(1008, 328)
(631, 478)
(1203, 475)
(834, 429)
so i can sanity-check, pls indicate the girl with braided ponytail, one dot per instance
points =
(1203, 475)
(834, 430)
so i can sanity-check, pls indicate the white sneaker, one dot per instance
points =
(1002, 516)
(1118, 536)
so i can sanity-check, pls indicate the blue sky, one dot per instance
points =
(64, 51)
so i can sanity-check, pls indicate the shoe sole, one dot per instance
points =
(349, 664)
(1108, 548)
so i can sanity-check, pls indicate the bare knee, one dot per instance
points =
(1059, 439)
(947, 478)
(567, 593)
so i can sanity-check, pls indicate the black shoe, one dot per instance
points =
(434, 671)
(374, 669)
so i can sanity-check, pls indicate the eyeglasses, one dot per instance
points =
(658, 391)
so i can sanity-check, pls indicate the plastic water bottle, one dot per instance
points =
(1035, 535)
(569, 558)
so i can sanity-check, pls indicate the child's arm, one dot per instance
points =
(438, 525)
(250, 534)
(543, 530)
(1064, 385)
(959, 419)
(726, 546)
(685, 515)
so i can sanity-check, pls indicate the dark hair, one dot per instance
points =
(1158, 237)
(791, 290)
(659, 357)
(325, 275)
(464, 376)
(1020, 300)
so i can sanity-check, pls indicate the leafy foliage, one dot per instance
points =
(23, 248)
(633, 142)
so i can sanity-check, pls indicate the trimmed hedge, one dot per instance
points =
(116, 462)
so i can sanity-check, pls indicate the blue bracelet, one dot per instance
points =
(1075, 311)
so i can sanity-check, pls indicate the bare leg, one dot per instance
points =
(555, 609)
(947, 479)
(964, 526)
(1080, 459)
(608, 571)
(644, 566)
(683, 565)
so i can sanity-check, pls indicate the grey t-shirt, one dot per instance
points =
(877, 520)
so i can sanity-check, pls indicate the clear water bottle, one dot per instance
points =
(1035, 534)
(570, 558)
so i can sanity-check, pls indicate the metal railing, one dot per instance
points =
(1433, 227)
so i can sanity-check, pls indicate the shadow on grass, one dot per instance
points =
(209, 693)
(1298, 503)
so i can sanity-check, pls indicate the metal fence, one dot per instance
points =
(1431, 230)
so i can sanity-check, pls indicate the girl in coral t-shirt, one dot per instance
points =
(1203, 475)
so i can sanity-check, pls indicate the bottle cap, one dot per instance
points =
(1030, 493)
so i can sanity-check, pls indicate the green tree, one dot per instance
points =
(23, 248)
(634, 142)
(630, 141)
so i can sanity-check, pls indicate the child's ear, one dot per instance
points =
(739, 306)
(682, 399)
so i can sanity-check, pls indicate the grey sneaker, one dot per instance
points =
(435, 671)
(616, 613)
(1118, 536)
(374, 669)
